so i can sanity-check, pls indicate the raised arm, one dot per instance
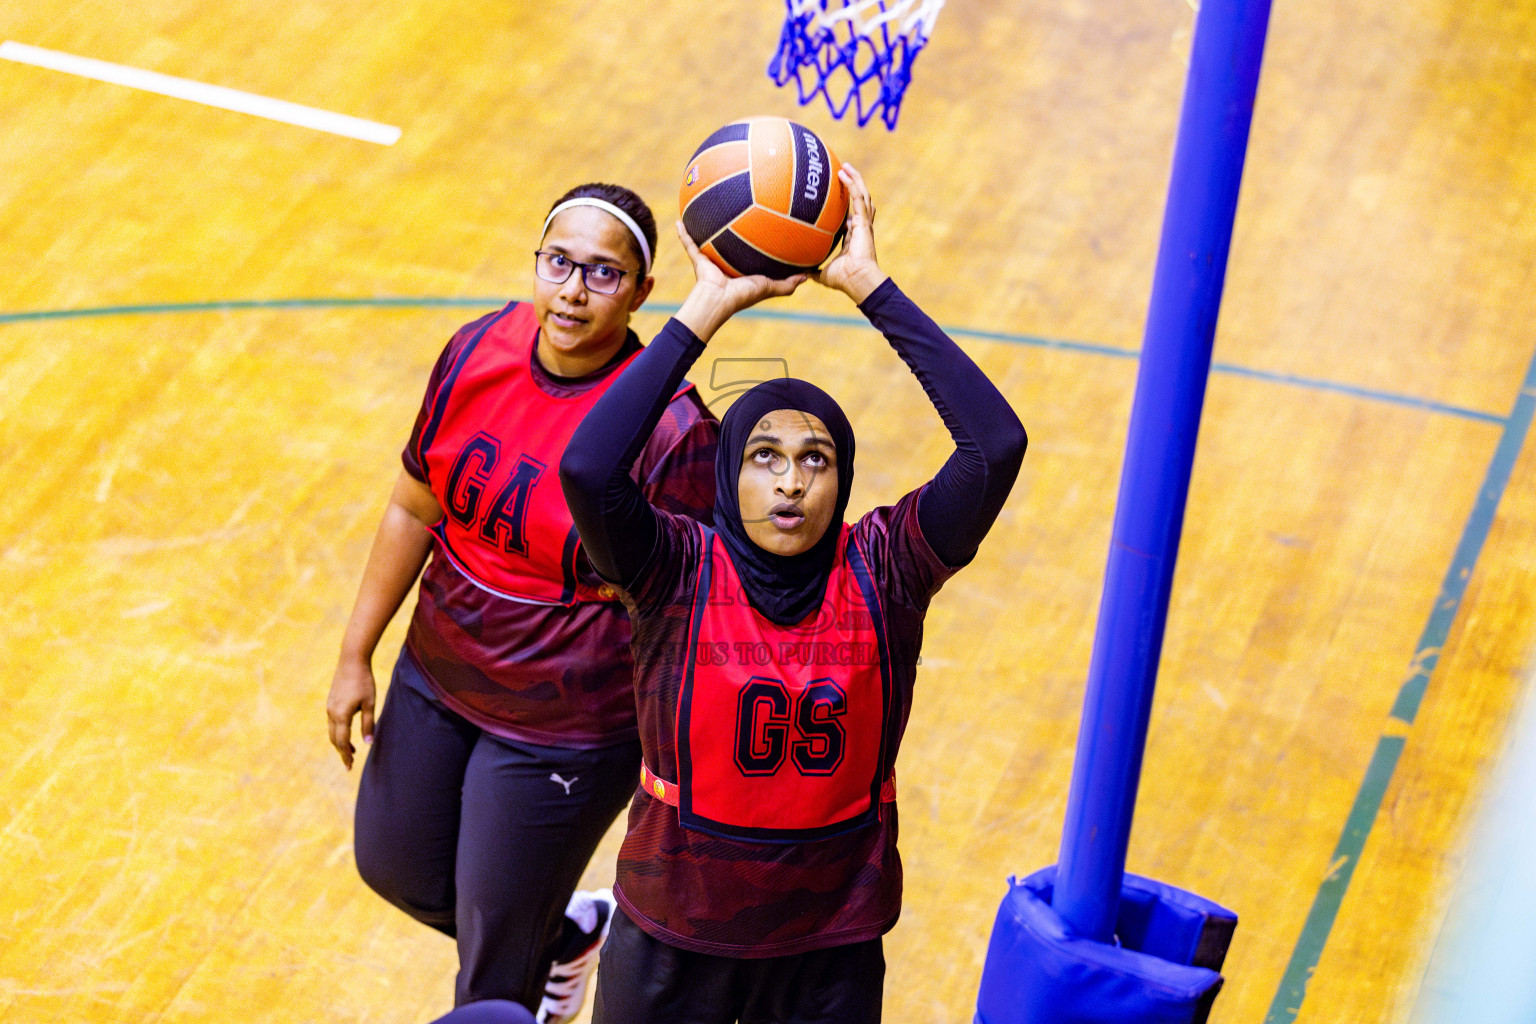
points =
(959, 505)
(617, 525)
(961, 502)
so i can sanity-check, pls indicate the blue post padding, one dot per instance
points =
(1164, 971)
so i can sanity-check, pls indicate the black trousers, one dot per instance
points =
(642, 980)
(482, 838)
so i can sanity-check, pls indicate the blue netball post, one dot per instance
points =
(1083, 942)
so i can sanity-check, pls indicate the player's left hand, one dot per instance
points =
(855, 271)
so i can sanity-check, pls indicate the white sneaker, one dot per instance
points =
(566, 989)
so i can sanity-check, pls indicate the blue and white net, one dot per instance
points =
(856, 53)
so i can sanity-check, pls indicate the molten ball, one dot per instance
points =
(762, 196)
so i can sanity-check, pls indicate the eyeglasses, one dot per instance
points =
(556, 268)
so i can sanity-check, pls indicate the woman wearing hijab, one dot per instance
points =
(775, 657)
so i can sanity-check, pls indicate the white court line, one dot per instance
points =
(201, 92)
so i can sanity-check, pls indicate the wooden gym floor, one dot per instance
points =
(214, 330)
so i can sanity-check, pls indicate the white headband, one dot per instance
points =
(603, 204)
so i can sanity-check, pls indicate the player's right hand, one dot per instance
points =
(352, 692)
(715, 298)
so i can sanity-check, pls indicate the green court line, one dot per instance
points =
(1389, 748)
(489, 302)
(229, 305)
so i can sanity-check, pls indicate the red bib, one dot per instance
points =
(783, 732)
(491, 452)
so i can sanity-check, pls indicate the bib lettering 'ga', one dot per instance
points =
(505, 524)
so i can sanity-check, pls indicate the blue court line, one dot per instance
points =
(490, 302)
(1389, 747)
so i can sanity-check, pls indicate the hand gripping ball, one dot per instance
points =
(762, 196)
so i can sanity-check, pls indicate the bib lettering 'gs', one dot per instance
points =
(784, 731)
(491, 451)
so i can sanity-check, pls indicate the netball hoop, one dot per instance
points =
(855, 53)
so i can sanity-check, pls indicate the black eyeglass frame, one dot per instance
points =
(538, 267)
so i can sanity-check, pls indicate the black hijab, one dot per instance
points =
(784, 588)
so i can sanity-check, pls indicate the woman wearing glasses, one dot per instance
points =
(508, 743)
